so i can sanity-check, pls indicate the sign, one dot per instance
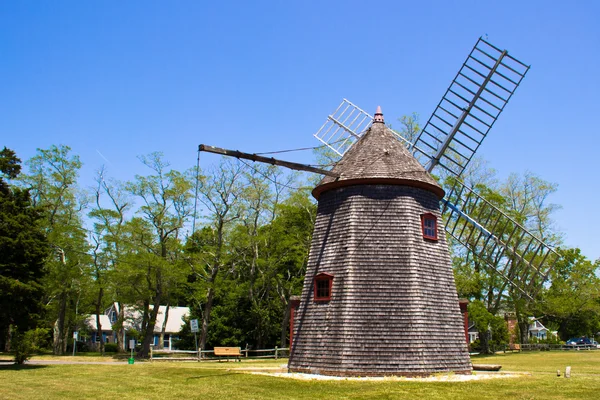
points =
(75, 334)
(132, 344)
(194, 325)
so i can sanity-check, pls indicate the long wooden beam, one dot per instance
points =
(267, 160)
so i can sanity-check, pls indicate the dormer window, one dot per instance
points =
(429, 226)
(323, 285)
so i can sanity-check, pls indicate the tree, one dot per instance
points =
(410, 128)
(219, 193)
(166, 206)
(23, 251)
(492, 329)
(52, 180)
(572, 302)
(109, 214)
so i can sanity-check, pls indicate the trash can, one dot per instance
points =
(130, 361)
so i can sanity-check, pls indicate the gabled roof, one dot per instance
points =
(536, 325)
(378, 157)
(133, 318)
(104, 322)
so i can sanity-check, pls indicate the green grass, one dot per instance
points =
(211, 380)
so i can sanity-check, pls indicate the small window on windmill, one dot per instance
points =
(323, 284)
(429, 226)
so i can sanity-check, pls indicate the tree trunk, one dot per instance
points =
(59, 326)
(524, 331)
(98, 323)
(9, 333)
(206, 318)
(285, 324)
(120, 331)
(523, 323)
(149, 333)
(484, 342)
(161, 341)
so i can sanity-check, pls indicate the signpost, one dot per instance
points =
(131, 347)
(75, 335)
(194, 328)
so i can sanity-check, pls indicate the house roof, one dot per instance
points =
(378, 157)
(104, 322)
(133, 318)
(537, 326)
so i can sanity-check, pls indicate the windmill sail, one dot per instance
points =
(497, 240)
(472, 103)
(343, 127)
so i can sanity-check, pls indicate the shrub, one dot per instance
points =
(28, 343)
(111, 348)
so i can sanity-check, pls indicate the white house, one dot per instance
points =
(539, 331)
(133, 320)
(536, 330)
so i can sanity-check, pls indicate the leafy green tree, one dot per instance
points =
(166, 199)
(52, 180)
(23, 251)
(219, 193)
(572, 302)
(492, 329)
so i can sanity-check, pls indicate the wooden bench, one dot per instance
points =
(228, 352)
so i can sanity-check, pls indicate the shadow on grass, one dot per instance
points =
(6, 366)
(212, 375)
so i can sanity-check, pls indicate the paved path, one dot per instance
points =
(50, 362)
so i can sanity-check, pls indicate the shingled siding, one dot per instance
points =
(394, 308)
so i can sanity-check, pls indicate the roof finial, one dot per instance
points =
(378, 116)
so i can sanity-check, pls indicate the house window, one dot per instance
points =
(323, 284)
(429, 226)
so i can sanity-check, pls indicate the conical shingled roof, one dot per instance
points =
(378, 157)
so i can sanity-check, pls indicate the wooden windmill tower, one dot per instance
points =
(379, 296)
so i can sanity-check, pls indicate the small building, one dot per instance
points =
(133, 322)
(473, 333)
(538, 331)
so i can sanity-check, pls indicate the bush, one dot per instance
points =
(26, 344)
(111, 348)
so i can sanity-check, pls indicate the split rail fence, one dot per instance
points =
(206, 355)
(542, 347)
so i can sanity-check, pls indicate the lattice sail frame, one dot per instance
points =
(467, 111)
(344, 127)
(496, 239)
(472, 103)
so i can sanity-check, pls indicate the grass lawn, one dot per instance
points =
(211, 380)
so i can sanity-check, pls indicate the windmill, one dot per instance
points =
(379, 296)
(447, 143)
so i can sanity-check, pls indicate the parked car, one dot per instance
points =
(581, 342)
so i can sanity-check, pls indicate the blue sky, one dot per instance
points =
(115, 80)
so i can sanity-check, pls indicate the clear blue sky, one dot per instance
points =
(120, 79)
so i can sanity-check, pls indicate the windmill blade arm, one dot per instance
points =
(267, 160)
